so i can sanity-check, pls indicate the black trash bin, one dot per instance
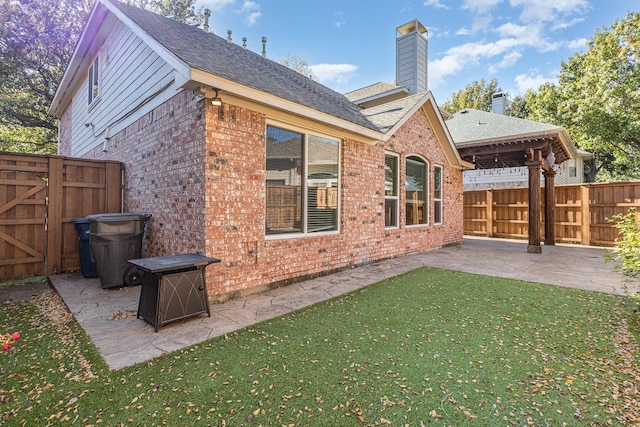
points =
(114, 239)
(87, 266)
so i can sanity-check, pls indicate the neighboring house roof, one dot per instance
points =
(473, 130)
(203, 60)
(470, 126)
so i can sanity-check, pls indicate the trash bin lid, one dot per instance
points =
(112, 217)
(82, 220)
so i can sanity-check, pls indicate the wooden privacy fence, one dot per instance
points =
(581, 215)
(39, 198)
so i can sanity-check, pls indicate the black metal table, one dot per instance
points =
(173, 287)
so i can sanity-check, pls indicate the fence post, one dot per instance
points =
(585, 214)
(54, 216)
(489, 200)
(113, 187)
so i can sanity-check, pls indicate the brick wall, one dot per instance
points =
(164, 157)
(200, 171)
(236, 207)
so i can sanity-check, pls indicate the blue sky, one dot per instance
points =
(350, 44)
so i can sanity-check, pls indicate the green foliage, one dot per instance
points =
(428, 347)
(36, 43)
(476, 95)
(627, 246)
(178, 10)
(518, 108)
(37, 39)
(597, 99)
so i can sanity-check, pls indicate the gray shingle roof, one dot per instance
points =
(375, 89)
(215, 55)
(471, 125)
(386, 116)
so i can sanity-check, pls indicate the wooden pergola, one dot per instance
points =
(538, 147)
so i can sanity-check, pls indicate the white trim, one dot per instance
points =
(441, 198)
(427, 190)
(397, 196)
(304, 183)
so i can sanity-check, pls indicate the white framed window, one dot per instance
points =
(416, 191)
(302, 182)
(391, 184)
(437, 194)
(93, 81)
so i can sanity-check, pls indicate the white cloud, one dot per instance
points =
(468, 55)
(532, 80)
(480, 6)
(252, 11)
(577, 44)
(508, 60)
(340, 21)
(218, 4)
(436, 4)
(549, 11)
(252, 18)
(338, 73)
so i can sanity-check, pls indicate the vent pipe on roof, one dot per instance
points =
(264, 47)
(207, 14)
(229, 36)
(244, 42)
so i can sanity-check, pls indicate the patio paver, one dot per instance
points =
(108, 315)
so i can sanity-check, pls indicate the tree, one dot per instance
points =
(36, 43)
(477, 95)
(597, 99)
(518, 108)
(179, 10)
(37, 39)
(298, 64)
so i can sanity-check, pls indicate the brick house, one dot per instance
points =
(284, 180)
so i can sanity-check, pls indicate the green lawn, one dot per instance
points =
(431, 347)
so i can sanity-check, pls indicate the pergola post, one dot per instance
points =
(535, 165)
(549, 207)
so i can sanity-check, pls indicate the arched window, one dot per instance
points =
(416, 191)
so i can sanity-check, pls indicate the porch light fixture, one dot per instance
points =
(216, 99)
(551, 159)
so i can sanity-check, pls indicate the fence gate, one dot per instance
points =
(39, 198)
(23, 216)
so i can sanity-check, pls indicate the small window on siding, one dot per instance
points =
(93, 85)
(416, 189)
(390, 190)
(437, 194)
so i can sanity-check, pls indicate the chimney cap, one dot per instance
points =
(410, 27)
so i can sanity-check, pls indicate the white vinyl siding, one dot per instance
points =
(131, 73)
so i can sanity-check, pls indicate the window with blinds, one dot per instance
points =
(416, 189)
(391, 190)
(302, 182)
(437, 194)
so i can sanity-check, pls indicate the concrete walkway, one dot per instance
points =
(109, 315)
